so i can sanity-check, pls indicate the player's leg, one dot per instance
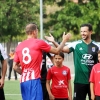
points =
(15, 74)
(80, 91)
(89, 93)
(10, 69)
(2, 96)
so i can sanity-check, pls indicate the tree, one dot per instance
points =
(13, 18)
(71, 16)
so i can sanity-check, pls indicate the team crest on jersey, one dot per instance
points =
(93, 49)
(64, 72)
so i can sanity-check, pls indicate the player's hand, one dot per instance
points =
(50, 38)
(66, 37)
(1, 83)
(51, 97)
(70, 98)
(92, 97)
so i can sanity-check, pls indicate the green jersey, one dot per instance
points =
(85, 56)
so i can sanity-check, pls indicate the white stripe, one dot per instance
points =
(12, 94)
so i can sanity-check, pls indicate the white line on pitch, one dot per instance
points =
(12, 94)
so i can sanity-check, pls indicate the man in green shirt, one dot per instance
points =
(85, 56)
(3, 69)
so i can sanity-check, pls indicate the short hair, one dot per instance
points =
(30, 27)
(98, 51)
(60, 54)
(87, 25)
(12, 50)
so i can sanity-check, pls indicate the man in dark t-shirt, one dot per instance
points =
(44, 74)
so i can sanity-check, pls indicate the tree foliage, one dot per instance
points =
(68, 16)
(71, 16)
(14, 16)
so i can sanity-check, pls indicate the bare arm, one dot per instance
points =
(49, 90)
(4, 69)
(92, 91)
(17, 68)
(70, 90)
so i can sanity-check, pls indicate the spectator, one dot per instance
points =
(10, 63)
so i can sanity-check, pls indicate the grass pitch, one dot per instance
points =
(12, 90)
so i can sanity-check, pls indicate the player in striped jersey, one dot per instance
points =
(29, 55)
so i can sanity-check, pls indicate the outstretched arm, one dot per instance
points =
(51, 39)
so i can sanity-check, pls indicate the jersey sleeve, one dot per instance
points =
(92, 75)
(72, 45)
(44, 46)
(3, 53)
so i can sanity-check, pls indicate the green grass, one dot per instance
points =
(12, 90)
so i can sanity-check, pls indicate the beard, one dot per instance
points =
(85, 37)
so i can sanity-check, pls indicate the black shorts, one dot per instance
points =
(97, 97)
(45, 93)
(81, 91)
(61, 99)
(2, 96)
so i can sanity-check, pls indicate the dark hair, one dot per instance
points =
(87, 25)
(98, 51)
(60, 54)
(30, 27)
(12, 50)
